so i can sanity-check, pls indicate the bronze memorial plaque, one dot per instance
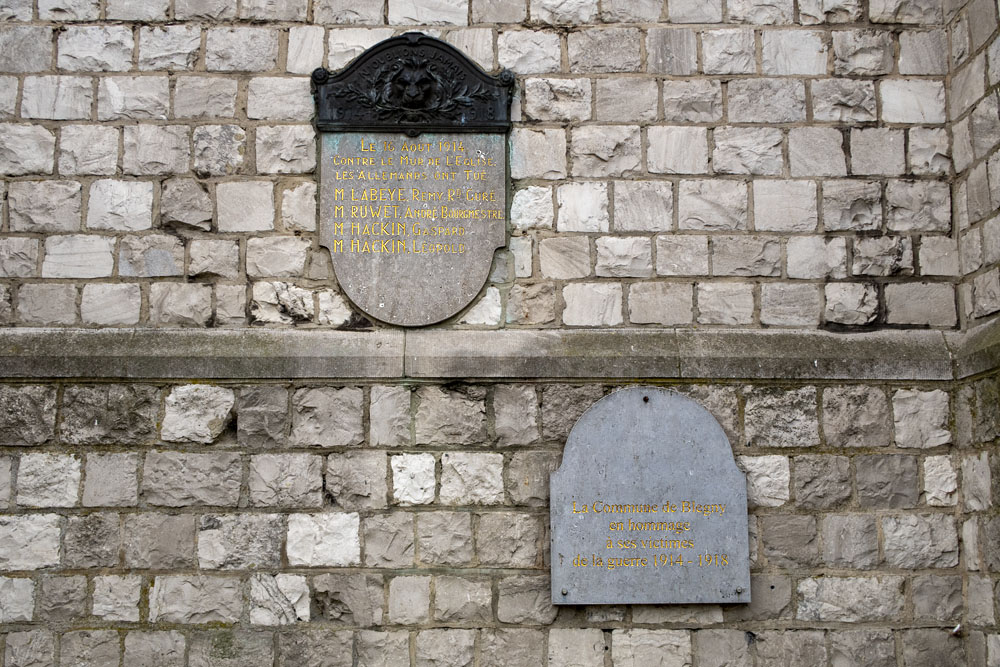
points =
(413, 180)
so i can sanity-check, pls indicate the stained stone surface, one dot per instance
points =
(653, 457)
(436, 235)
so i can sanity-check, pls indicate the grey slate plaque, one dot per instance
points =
(648, 506)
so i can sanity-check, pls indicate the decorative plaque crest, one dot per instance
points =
(413, 182)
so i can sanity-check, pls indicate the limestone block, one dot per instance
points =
(316, 647)
(305, 49)
(712, 205)
(133, 98)
(643, 206)
(204, 97)
(349, 599)
(345, 11)
(327, 417)
(856, 416)
(677, 150)
(976, 479)
(696, 11)
(937, 598)
(921, 418)
(25, 48)
(120, 205)
(450, 416)
(746, 256)
(668, 304)
(16, 10)
(241, 49)
(476, 43)
(278, 302)
(685, 255)
(531, 304)
(877, 151)
(175, 479)
(843, 100)
(95, 49)
(604, 50)
(527, 477)
(66, 10)
(264, 10)
(159, 541)
(195, 599)
(151, 256)
(790, 541)
(509, 540)
(782, 418)
(26, 149)
(229, 648)
(389, 412)
(240, 541)
(328, 539)
(63, 599)
(822, 482)
(850, 599)
(939, 256)
(760, 12)
(413, 479)
(274, 99)
(741, 150)
(829, 11)
(409, 600)
(569, 13)
(298, 207)
(883, 256)
(180, 304)
(718, 648)
(488, 11)
(428, 12)
(816, 151)
(220, 150)
(124, 414)
(155, 649)
(213, 10)
(93, 647)
(583, 207)
(912, 101)
(172, 47)
(849, 541)
(888, 481)
(576, 648)
(156, 150)
(593, 304)
(638, 646)
(923, 52)
(529, 51)
(557, 99)
(246, 206)
(220, 258)
(624, 257)
(57, 97)
(88, 149)
(138, 10)
(725, 303)
(852, 205)
(929, 152)
(524, 599)
(458, 600)
(767, 101)
(471, 479)
(793, 52)
(29, 541)
(445, 647)
(116, 598)
(110, 304)
(671, 51)
(531, 208)
(196, 413)
(729, 51)
(930, 304)
(920, 541)
(862, 52)
(278, 599)
(784, 206)
(605, 150)
(27, 414)
(444, 538)
(389, 541)
(6, 309)
(897, 11)
(111, 480)
(185, 202)
(940, 482)
(17, 600)
(276, 256)
(44, 206)
(789, 304)
(694, 101)
(357, 480)
(515, 409)
(286, 149)
(286, 480)
(537, 153)
(47, 304)
(921, 206)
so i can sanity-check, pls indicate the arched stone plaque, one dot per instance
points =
(413, 177)
(648, 506)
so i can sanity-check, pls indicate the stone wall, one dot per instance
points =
(747, 164)
(312, 524)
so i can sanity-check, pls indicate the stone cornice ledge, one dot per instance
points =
(260, 354)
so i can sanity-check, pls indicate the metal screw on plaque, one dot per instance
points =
(739, 590)
(645, 399)
(565, 592)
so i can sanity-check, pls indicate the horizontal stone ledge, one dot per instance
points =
(255, 354)
(258, 354)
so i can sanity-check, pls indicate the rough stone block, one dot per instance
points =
(156, 150)
(822, 482)
(843, 100)
(328, 539)
(219, 150)
(850, 541)
(428, 12)
(604, 50)
(743, 150)
(557, 99)
(677, 150)
(660, 303)
(767, 101)
(26, 149)
(471, 479)
(120, 205)
(888, 481)
(509, 540)
(204, 97)
(231, 648)
(155, 649)
(576, 647)
(57, 97)
(724, 303)
(606, 150)
(357, 480)
(159, 541)
(116, 598)
(48, 480)
(241, 49)
(912, 101)
(729, 51)
(856, 416)
(767, 480)
(921, 418)
(816, 151)
(286, 480)
(133, 98)
(685, 255)
(176, 479)
(851, 599)
(389, 540)
(47, 304)
(712, 205)
(29, 541)
(862, 52)
(920, 541)
(180, 304)
(693, 101)
(746, 256)
(240, 541)
(782, 418)
(940, 482)
(95, 49)
(527, 477)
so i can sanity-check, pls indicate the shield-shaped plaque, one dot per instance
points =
(413, 177)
